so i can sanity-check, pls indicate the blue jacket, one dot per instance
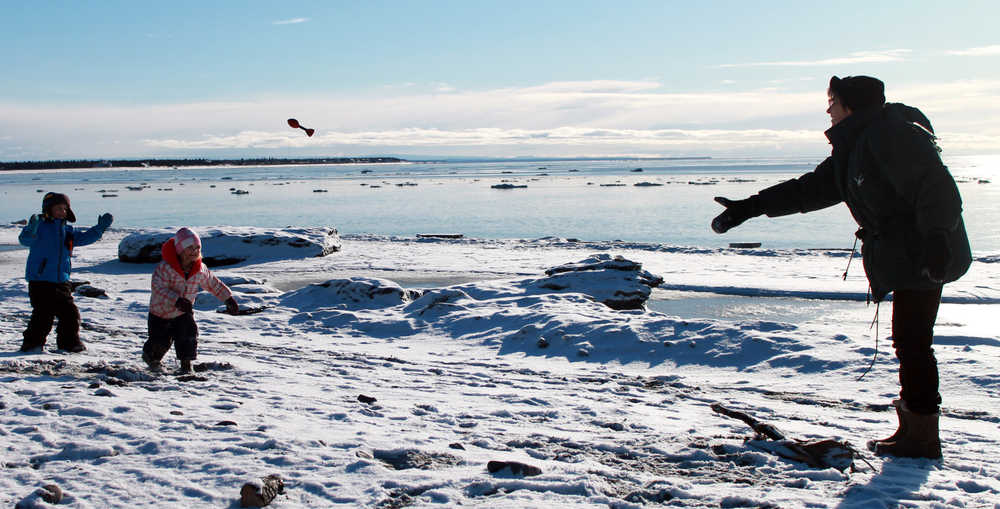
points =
(51, 247)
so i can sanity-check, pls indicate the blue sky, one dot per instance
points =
(469, 78)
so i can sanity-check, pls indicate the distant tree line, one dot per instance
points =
(136, 163)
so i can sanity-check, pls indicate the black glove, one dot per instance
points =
(104, 220)
(937, 254)
(736, 212)
(184, 305)
(232, 307)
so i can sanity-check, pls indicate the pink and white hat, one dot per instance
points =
(184, 239)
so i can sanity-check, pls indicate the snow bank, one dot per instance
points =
(588, 309)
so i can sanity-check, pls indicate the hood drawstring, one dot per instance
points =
(875, 326)
(857, 235)
(868, 300)
(849, 260)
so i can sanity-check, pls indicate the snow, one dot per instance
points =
(391, 372)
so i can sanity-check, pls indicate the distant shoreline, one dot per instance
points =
(78, 164)
(178, 163)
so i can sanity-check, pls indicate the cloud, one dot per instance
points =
(290, 21)
(559, 118)
(982, 51)
(486, 137)
(977, 98)
(607, 104)
(592, 87)
(858, 57)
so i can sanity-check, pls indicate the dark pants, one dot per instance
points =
(913, 315)
(181, 331)
(48, 302)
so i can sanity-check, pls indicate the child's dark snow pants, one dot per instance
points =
(48, 302)
(181, 331)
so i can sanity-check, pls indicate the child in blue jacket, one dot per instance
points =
(51, 239)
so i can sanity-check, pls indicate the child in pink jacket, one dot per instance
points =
(176, 282)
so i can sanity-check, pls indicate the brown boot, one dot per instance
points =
(921, 439)
(186, 367)
(900, 430)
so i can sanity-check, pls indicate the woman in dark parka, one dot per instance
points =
(886, 167)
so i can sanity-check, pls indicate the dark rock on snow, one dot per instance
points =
(405, 459)
(516, 468)
(261, 493)
(91, 291)
(49, 493)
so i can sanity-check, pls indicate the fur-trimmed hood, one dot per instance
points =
(169, 254)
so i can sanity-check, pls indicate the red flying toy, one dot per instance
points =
(295, 124)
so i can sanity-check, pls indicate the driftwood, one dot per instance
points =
(249, 310)
(827, 453)
(260, 494)
(439, 235)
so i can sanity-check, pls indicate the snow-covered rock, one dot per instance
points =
(573, 312)
(612, 280)
(231, 245)
(352, 293)
(254, 289)
(233, 280)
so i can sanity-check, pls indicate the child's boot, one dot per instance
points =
(154, 364)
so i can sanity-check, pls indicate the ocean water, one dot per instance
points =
(587, 200)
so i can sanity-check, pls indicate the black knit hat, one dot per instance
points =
(858, 92)
(52, 199)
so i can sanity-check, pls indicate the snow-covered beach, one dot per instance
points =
(468, 254)
(465, 352)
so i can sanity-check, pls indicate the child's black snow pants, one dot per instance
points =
(48, 302)
(181, 331)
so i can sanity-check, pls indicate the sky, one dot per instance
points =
(121, 79)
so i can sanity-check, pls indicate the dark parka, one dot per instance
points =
(886, 167)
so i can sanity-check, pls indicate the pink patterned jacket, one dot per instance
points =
(170, 283)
